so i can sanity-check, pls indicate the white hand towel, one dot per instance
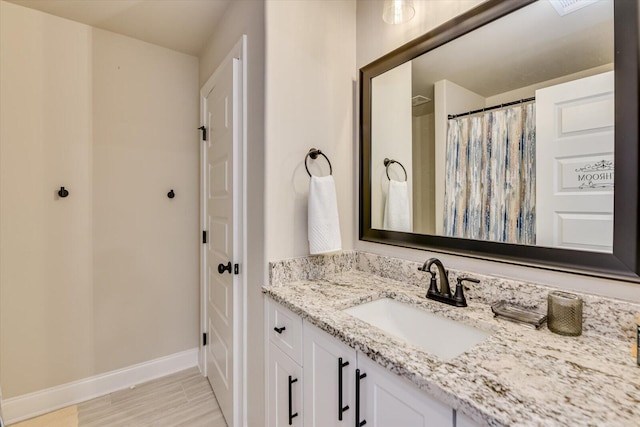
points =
(397, 215)
(324, 226)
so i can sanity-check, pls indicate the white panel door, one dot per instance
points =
(284, 396)
(387, 400)
(220, 251)
(574, 163)
(329, 369)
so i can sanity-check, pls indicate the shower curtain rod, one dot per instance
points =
(506, 104)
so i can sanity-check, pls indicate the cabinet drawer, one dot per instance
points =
(285, 330)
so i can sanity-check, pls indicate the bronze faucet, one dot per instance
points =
(444, 293)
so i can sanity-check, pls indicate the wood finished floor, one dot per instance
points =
(183, 399)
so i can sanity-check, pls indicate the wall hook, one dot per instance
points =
(63, 192)
(171, 194)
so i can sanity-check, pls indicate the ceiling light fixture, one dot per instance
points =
(398, 11)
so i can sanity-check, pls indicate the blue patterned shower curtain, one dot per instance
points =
(490, 176)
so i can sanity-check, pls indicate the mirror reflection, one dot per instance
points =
(505, 134)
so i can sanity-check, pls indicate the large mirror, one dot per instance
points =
(503, 134)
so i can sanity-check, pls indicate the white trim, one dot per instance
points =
(202, 362)
(40, 402)
(245, 224)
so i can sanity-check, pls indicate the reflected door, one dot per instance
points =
(574, 156)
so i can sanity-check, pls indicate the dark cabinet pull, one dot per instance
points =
(291, 416)
(279, 330)
(358, 378)
(222, 268)
(341, 409)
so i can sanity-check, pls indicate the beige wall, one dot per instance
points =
(107, 277)
(247, 17)
(310, 96)
(374, 39)
(145, 245)
(46, 297)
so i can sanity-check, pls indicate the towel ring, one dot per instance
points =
(388, 162)
(313, 153)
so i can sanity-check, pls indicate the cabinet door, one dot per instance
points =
(387, 400)
(329, 367)
(464, 421)
(284, 399)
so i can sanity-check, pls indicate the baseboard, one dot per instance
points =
(40, 402)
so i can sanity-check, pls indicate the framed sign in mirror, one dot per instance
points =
(509, 133)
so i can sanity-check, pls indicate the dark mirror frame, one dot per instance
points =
(623, 263)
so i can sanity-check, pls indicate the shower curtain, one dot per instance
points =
(490, 176)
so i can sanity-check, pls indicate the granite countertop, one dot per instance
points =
(518, 376)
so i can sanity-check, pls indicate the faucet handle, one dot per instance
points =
(458, 296)
(467, 279)
(433, 284)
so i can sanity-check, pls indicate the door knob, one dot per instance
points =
(222, 268)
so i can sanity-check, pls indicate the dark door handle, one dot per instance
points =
(222, 268)
(358, 378)
(279, 330)
(291, 416)
(341, 408)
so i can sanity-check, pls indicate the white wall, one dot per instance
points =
(310, 92)
(391, 135)
(374, 39)
(248, 17)
(106, 277)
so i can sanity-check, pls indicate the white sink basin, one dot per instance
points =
(440, 336)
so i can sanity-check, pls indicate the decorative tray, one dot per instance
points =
(517, 314)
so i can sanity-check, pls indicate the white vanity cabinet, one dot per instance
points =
(329, 366)
(463, 421)
(325, 372)
(284, 371)
(285, 390)
(387, 400)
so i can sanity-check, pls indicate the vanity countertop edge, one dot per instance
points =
(518, 376)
